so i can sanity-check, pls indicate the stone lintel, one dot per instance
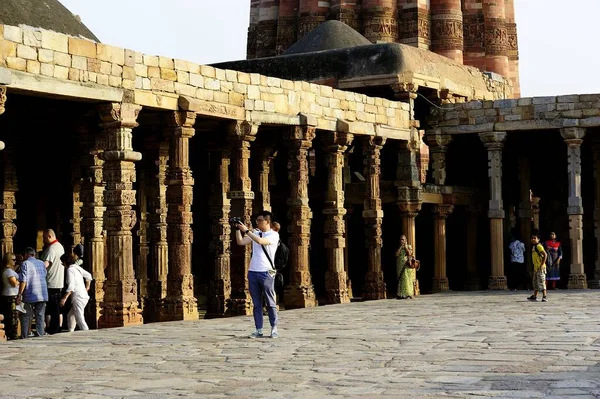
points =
(240, 195)
(210, 108)
(53, 87)
(161, 100)
(392, 132)
(5, 76)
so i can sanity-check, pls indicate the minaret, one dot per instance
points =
(287, 25)
(447, 29)
(496, 37)
(380, 20)
(348, 12)
(513, 48)
(266, 31)
(312, 14)
(251, 47)
(473, 27)
(414, 23)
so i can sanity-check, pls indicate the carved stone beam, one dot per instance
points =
(438, 148)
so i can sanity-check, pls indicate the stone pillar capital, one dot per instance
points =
(180, 124)
(410, 209)
(116, 115)
(405, 90)
(336, 141)
(573, 136)
(493, 141)
(474, 209)
(300, 134)
(442, 211)
(374, 142)
(437, 142)
(243, 130)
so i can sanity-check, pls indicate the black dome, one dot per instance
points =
(45, 14)
(330, 35)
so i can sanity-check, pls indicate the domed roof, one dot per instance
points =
(45, 14)
(330, 35)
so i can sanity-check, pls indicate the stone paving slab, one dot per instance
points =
(452, 345)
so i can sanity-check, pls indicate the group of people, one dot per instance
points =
(546, 258)
(37, 288)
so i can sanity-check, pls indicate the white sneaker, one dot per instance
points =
(274, 333)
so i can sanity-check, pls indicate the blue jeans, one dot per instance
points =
(37, 309)
(263, 283)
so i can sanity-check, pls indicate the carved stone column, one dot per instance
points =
(472, 283)
(494, 143)
(157, 220)
(447, 29)
(77, 183)
(347, 12)
(120, 305)
(440, 279)
(300, 291)
(438, 148)
(143, 249)
(8, 212)
(573, 137)
(220, 243)
(335, 144)
(380, 20)
(240, 135)
(595, 282)
(262, 196)
(180, 303)
(92, 214)
(373, 216)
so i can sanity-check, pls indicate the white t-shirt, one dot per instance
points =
(259, 261)
(56, 271)
(75, 281)
(7, 288)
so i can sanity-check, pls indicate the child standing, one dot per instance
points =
(539, 257)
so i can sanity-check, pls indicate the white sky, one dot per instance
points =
(557, 54)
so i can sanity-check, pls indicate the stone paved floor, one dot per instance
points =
(437, 346)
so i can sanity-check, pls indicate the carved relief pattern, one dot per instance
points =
(2, 99)
(180, 302)
(380, 25)
(287, 29)
(447, 32)
(308, 22)
(120, 305)
(266, 34)
(415, 24)
(300, 292)
(262, 196)
(375, 287)
(496, 37)
(220, 243)
(335, 144)
(513, 42)
(240, 135)
(8, 211)
(474, 33)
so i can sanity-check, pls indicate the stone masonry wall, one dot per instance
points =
(159, 82)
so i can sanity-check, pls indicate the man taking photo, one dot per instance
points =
(261, 274)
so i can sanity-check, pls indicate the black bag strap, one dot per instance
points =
(268, 257)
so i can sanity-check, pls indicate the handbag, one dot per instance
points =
(279, 283)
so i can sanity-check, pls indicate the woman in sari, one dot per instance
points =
(404, 272)
(8, 300)
(554, 250)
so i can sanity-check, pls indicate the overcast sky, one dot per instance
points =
(555, 39)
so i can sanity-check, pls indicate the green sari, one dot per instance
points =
(406, 275)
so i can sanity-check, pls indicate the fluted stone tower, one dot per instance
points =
(480, 33)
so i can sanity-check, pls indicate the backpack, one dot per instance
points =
(281, 256)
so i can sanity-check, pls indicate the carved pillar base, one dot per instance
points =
(472, 283)
(183, 307)
(577, 282)
(440, 284)
(497, 283)
(120, 314)
(300, 296)
(375, 287)
(594, 284)
(240, 306)
(337, 291)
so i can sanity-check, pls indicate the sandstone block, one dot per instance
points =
(141, 70)
(55, 41)
(255, 79)
(94, 65)
(183, 77)
(47, 70)
(115, 81)
(139, 82)
(221, 97)
(369, 100)
(259, 105)
(589, 97)
(196, 80)
(45, 55)
(7, 49)
(231, 76)
(26, 52)
(273, 82)
(128, 84)
(236, 99)
(162, 85)
(185, 89)
(323, 101)
(212, 84)
(129, 73)
(62, 59)
(572, 98)
(33, 67)
(226, 86)
(153, 72)
(203, 94)
(115, 55)
(102, 79)
(207, 71)
(287, 84)
(239, 88)
(150, 60)
(244, 78)
(146, 84)
(130, 58)
(371, 108)
(380, 119)
(194, 68)
(32, 37)
(249, 105)
(168, 74)
(181, 65)
(524, 101)
(576, 113)
(73, 74)
(13, 34)
(116, 70)
(18, 64)
(61, 72)
(83, 48)
(79, 62)
(93, 77)
(591, 112)
(167, 63)
(505, 103)
(220, 74)
(544, 100)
